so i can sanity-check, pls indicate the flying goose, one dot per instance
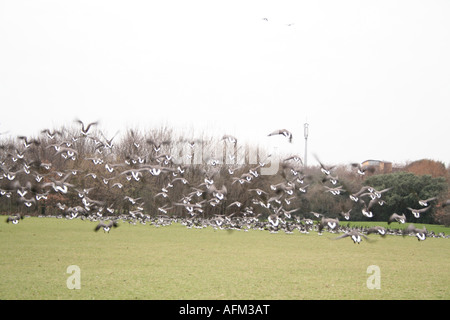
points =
(183, 180)
(362, 169)
(220, 194)
(28, 202)
(59, 185)
(424, 203)
(132, 200)
(316, 214)
(355, 196)
(295, 158)
(417, 212)
(28, 142)
(355, 235)
(332, 179)
(219, 220)
(157, 144)
(421, 234)
(287, 213)
(235, 203)
(164, 208)
(377, 229)
(51, 134)
(14, 218)
(346, 215)
(85, 129)
(325, 169)
(274, 219)
(106, 227)
(258, 191)
(334, 191)
(11, 175)
(367, 208)
(283, 132)
(135, 173)
(330, 222)
(108, 142)
(229, 138)
(398, 218)
(378, 194)
(67, 153)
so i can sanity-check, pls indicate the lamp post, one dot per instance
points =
(305, 133)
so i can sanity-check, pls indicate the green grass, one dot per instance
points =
(173, 262)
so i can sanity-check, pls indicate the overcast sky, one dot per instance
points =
(372, 78)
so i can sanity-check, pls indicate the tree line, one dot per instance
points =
(159, 172)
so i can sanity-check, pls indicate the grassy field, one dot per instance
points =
(173, 262)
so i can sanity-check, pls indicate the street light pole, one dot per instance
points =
(305, 133)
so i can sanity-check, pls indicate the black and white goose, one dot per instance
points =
(397, 218)
(366, 210)
(219, 221)
(421, 234)
(157, 144)
(14, 218)
(85, 129)
(377, 229)
(355, 196)
(417, 212)
(424, 203)
(332, 224)
(229, 138)
(355, 236)
(362, 169)
(274, 218)
(59, 185)
(346, 214)
(106, 226)
(334, 191)
(324, 168)
(283, 132)
(51, 134)
(220, 194)
(29, 142)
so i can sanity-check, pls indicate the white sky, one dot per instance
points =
(372, 78)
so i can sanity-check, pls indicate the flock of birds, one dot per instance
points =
(30, 179)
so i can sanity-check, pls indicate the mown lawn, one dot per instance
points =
(173, 262)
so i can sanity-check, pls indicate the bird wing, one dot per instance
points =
(348, 234)
(99, 225)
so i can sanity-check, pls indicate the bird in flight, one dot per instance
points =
(106, 227)
(417, 212)
(421, 234)
(85, 129)
(424, 202)
(283, 132)
(355, 235)
(398, 218)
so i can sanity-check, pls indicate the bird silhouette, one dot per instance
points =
(106, 226)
